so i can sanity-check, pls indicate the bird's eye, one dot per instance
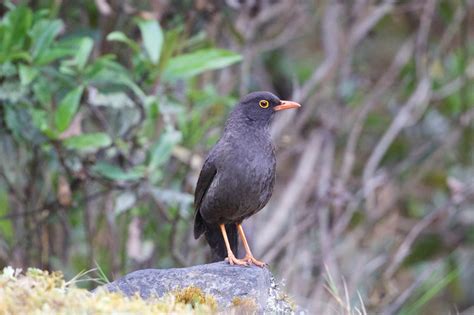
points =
(263, 103)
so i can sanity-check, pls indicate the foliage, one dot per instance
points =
(83, 126)
(41, 292)
(107, 109)
(195, 297)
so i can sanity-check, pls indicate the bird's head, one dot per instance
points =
(261, 106)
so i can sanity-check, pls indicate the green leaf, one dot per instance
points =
(13, 92)
(67, 108)
(115, 173)
(42, 35)
(39, 118)
(189, 65)
(16, 24)
(106, 72)
(84, 50)
(58, 50)
(13, 122)
(161, 150)
(42, 90)
(19, 121)
(17, 56)
(172, 41)
(152, 36)
(81, 53)
(88, 141)
(121, 37)
(7, 70)
(54, 53)
(432, 287)
(6, 229)
(27, 74)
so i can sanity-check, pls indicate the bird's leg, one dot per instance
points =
(230, 255)
(248, 254)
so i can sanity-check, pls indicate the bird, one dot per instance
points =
(237, 177)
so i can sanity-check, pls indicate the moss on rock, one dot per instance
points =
(245, 305)
(41, 292)
(195, 297)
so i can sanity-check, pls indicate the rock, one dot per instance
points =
(223, 281)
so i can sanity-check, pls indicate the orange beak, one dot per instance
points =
(286, 105)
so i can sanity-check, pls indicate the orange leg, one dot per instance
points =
(230, 255)
(248, 254)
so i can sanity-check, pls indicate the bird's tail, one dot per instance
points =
(216, 241)
(214, 237)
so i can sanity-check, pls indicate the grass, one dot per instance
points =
(343, 302)
(428, 292)
(41, 292)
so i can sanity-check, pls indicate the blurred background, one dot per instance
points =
(108, 108)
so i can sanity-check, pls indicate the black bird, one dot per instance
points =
(237, 177)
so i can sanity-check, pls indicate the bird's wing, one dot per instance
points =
(208, 172)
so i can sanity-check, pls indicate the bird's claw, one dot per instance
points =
(252, 260)
(235, 261)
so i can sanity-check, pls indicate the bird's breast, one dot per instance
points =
(246, 176)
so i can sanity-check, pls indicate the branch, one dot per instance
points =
(302, 176)
(399, 61)
(410, 112)
(330, 34)
(361, 29)
(404, 249)
(421, 55)
(408, 292)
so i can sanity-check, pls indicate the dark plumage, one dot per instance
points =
(238, 175)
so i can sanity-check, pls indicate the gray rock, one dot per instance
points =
(223, 281)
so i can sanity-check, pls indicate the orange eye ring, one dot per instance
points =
(263, 103)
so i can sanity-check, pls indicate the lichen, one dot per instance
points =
(195, 297)
(40, 292)
(278, 301)
(244, 305)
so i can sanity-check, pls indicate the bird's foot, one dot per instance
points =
(235, 261)
(251, 260)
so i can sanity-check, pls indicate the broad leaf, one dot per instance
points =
(39, 118)
(104, 72)
(170, 197)
(27, 74)
(43, 92)
(121, 37)
(55, 53)
(67, 108)
(84, 50)
(188, 65)
(171, 40)
(161, 150)
(14, 29)
(115, 173)
(19, 121)
(42, 35)
(13, 122)
(152, 36)
(12, 91)
(88, 141)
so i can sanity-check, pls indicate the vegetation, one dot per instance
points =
(43, 293)
(195, 297)
(107, 109)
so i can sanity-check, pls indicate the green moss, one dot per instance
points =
(41, 292)
(195, 297)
